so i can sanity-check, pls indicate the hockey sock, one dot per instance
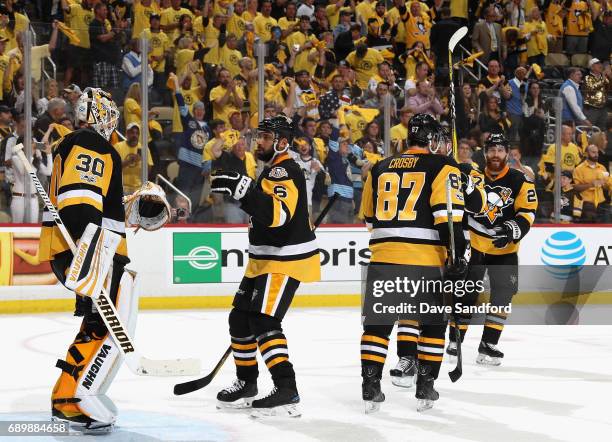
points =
(373, 350)
(407, 338)
(494, 324)
(430, 351)
(244, 346)
(274, 351)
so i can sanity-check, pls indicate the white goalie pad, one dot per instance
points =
(100, 372)
(147, 208)
(92, 260)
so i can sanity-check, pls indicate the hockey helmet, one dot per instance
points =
(280, 125)
(96, 108)
(496, 139)
(424, 131)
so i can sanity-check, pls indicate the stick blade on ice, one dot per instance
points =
(457, 36)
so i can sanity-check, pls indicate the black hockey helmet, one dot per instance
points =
(423, 130)
(496, 139)
(280, 125)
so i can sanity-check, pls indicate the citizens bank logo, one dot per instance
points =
(196, 257)
(563, 254)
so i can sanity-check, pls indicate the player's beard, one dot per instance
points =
(264, 155)
(496, 164)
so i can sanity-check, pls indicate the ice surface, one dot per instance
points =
(554, 384)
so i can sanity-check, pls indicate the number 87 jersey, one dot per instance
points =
(405, 206)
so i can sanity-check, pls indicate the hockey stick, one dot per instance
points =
(198, 384)
(454, 40)
(137, 363)
(456, 373)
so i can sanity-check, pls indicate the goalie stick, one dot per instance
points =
(198, 384)
(137, 363)
(452, 43)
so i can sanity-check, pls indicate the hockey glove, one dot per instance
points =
(467, 184)
(509, 231)
(230, 183)
(456, 271)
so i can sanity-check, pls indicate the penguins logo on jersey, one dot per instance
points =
(497, 199)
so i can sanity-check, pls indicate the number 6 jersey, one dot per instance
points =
(86, 186)
(404, 204)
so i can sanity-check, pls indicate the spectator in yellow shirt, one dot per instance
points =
(399, 132)
(79, 16)
(590, 180)
(170, 19)
(263, 23)
(159, 50)
(132, 112)
(227, 97)
(235, 22)
(251, 11)
(143, 10)
(289, 22)
(537, 38)
(364, 61)
(131, 159)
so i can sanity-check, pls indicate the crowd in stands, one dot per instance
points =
(332, 66)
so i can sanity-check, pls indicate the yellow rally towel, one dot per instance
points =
(74, 39)
(537, 70)
(469, 61)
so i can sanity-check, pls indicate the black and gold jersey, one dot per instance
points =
(510, 196)
(86, 187)
(476, 201)
(404, 204)
(281, 239)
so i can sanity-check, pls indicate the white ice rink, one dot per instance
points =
(555, 383)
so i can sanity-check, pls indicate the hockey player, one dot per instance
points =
(282, 253)
(404, 204)
(495, 238)
(86, 188)
(472, 185)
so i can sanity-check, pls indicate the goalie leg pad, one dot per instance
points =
(92, 361)
(92, 261)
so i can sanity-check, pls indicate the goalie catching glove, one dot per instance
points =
(230, 183)
(147, 207)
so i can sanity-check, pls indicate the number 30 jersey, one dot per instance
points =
(405, 205)
(86, 187)
(510, 196)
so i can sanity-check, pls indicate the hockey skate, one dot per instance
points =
(281, 402)
(404, 372)
(489, 354)
(425, 393)
(80, 423)
(370, 389)
(451, 351)
(239, 395)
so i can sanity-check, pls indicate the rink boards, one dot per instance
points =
(201, 266)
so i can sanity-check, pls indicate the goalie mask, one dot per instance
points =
(147, 207)
(96, 108)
